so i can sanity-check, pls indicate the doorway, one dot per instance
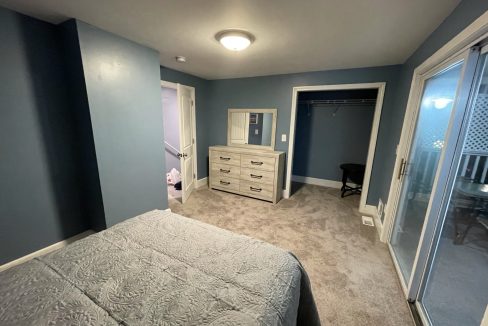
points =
(178, 105)
(343, 90)
(439, 194)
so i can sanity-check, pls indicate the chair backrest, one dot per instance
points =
(474, 167)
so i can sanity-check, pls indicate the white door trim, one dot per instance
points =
(471, 35)
(172, 85)
(168, 84)
(372, 142)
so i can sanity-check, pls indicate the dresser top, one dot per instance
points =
(245, 150)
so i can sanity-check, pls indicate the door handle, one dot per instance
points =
(401, 170)
(256, 176)
(256, 163)
(255, 189)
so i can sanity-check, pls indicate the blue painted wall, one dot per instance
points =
(328, 136)
(39, 186)
(91, 192)
(464, 14)
(276, 92)
(124, 98)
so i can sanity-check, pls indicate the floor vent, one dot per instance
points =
(367, 220)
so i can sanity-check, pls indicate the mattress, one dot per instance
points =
(159, 268)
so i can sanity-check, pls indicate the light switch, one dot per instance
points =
(256, 131)
(283, 138)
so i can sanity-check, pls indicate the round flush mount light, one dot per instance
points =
(180, 58)
(235, 39)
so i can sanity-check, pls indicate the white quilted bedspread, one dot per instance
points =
(159, 268)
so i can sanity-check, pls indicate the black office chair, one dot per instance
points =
(355, 174)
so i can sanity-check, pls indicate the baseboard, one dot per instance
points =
(317, 181)
(46, 250)
(203, 182)
(369, 210)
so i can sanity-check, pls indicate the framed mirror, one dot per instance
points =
(254, 128)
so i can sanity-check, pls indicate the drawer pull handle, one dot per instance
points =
(224, 171)
(225, 183)
(225, 158)
(256, 163)
(255, 189)
(256, 176)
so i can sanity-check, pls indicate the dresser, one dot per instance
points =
(254, 173)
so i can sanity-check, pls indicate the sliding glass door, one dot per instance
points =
(418, 171)
(439, 238)
(455, 287)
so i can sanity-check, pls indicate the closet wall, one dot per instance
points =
(329, 135)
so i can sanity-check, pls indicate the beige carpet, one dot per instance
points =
(352, 275)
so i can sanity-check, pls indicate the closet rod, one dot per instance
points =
(336, 102)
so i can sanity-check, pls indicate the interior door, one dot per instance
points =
(438, 103)
(240, 128)
(187, 141)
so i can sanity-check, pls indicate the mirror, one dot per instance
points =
(252, 128)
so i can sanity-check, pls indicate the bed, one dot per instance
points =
(159, 268)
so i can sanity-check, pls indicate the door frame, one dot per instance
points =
(380, 87)
(471, 35)
(410, 286)
(167, 84)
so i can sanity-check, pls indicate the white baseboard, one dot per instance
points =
(203, 182)
(369, 210)
(317, 182)
(46, 250)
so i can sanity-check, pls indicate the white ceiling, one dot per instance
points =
(291, 35)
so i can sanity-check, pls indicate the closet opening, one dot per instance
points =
(178, 105)
(333, 136)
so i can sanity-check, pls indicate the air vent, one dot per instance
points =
(367, 220)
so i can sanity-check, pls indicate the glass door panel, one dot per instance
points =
(456, 289)
(436, 106)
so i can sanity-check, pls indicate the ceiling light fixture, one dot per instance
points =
(180, 58)
(235, 39)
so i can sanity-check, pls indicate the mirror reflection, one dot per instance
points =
(252, 128)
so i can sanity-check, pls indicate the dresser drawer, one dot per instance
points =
(264, 191)
(225, 157)
(225, 170)
(258, 163)
(257, 176)
(225, 183)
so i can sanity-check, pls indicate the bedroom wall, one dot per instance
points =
(276, 92)
(464, 14)
(39, 187)
(91, 192)
(202, 97)
(124, 98)
(328, 136)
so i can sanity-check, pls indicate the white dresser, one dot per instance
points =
(250, 172)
